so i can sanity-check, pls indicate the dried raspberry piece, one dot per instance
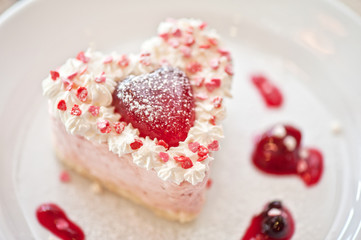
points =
(62, 105)
(189, 40)
(94, 110)
(104, 126)
(136, 144)
(75, 110)
(194, 67)
(72, 76)
(83, 70)
(54, 75)
(217, 102)
(225, 53)
(174, 42)
(214, 63)
(204, 46)
(213, 120)
(197, 81)
(201, 159)
(186, 51)
(164, 156)
(202, 151)
(185, 162)
(180, 158)
(213, 146)
(145, 59)
(119, 127)
(165, 36)
(108, 59)
(162, 143)
(193, 146)
(203, 25)
(201, 96)
(81, 57)
(177, 33)
(124, 61)
(213, 41)
(82, 94)
(229, 69)
(101, 78)
(64, 177)
(68, 85)
(209, 183)
(212, 84)
(159, 104)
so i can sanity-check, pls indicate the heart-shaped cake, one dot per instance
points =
(145, 125)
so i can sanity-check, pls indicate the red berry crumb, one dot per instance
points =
(75, 110)
(189, 40)
(185, 162)
(64, 177)
(200, 159)
(101, 78)
(164, 156)
(119, 127)
(136, 144)
(213, 146)
(124, 61)
(108, 59)
(201, 96)
(217, 102)
(213, 120)
(177, 33)
(204, 46)
(163, 143)
(81, 57)
(104, 126)
(202, 151)
(54, 75)
(94, 110)
(229, 69)
(197, 81)
(145, 59)
(187, 51)
(212, 84)
(193, 146)
(72, 76)
(203, 25)
(174, 42)
(209, 183)
(165, 36)
(194, 67)
(214, 63)
(82, 94)
(213, 41)
(62, 105)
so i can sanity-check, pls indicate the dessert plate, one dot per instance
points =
(310, 49)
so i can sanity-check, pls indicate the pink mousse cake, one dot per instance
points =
(145, 125)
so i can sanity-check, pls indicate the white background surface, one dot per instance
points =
(310, 49)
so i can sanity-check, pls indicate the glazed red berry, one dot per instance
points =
(160, 104)
(279, 151)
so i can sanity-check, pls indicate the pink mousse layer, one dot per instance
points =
(178, 202)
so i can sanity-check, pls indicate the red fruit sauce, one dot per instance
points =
(273, 223)
(159, 104)
(270, 93)
(55, 220)
(279, 151)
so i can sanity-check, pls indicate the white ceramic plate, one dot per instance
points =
(311, 49)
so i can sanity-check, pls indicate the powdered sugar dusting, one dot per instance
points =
(160, 104)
